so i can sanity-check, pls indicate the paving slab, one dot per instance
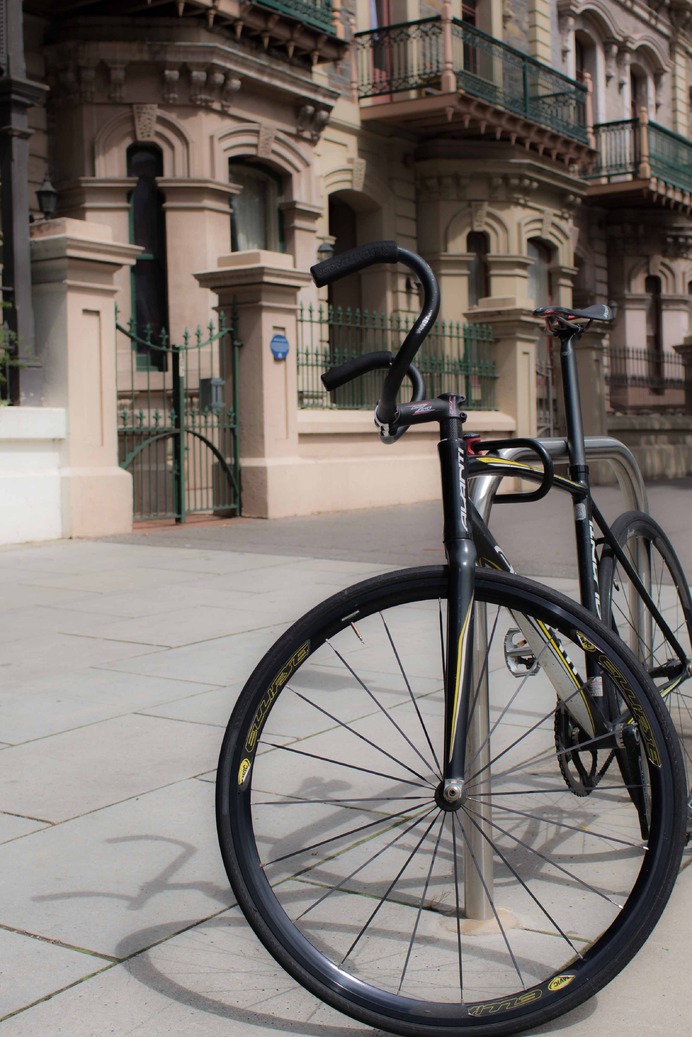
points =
(74, 772)
(119, 664)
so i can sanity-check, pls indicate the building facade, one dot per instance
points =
(206, 153)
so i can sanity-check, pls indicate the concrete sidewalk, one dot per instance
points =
(120, 663)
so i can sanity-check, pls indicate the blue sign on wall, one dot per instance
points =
(279, 347)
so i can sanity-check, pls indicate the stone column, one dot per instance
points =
(264, 288)
(74, 264)
(300, 228)
(516, 333)
(590, 354)
(198, 213)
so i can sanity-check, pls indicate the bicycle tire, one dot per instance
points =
(355, 888)
(659, 565)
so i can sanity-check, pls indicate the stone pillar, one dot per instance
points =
(198, 212)
(452, 273)
(516, 333)
(264, 288)
(590, 355)
(300, 228)
(74, 264)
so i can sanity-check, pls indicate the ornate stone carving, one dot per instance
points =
(439, 186)
(145, 121)
(311, 120)
(359, 170)
(116, 83)
(265, 140)
(171, 79)
(479, 215)
(198, 85)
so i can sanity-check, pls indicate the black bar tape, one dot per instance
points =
(353, 260)
(358, 365)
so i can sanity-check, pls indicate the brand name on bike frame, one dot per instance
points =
(462, 490)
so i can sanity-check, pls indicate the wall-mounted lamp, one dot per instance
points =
(325, 251)
(47, 199)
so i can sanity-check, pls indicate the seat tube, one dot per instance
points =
(579, 472)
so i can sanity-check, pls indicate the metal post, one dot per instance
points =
(478, 870)
(179, 437)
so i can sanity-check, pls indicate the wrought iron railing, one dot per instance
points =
(455, 357)
(316, 13)
(410, 56)
(644, 378)
(640, 149)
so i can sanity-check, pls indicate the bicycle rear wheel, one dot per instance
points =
(416, 919)
(654, 559)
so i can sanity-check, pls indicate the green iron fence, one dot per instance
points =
(455, 357)
(409, 56)
(644, 379)
(178, 420)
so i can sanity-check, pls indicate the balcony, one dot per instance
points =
(442, 72)
(308, 30)
(637, 160)
(316, 13)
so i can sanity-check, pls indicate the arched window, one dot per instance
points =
(540, 288)
(638, 91)
(148, 230)
(479, 280)
(654, 332)
(255, 214)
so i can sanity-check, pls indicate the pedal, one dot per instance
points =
(519, 657)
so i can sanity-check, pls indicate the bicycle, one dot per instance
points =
(629, 574)
(392, 807)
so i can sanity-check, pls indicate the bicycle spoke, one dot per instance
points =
(348, 766)
(374, 698)
(357, 734)
(423, 898)
(413, 698)
(389, 890)
(491, 901)
(368, 862)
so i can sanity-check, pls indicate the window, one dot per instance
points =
(654, 332)
(255, 214)
(148, 230)
(539, 272)
(479, 281)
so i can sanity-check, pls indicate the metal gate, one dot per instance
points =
(178, 420)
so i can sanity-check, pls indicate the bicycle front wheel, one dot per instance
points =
(654, 559)
(421, 920)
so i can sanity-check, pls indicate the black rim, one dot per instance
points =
(671, 596)
(354, 866)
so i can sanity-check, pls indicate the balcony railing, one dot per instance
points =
(456, 357)
(317, 13)
(436, 54)
(644, 379)
(637, 149)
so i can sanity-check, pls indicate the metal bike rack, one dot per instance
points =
(478, 879)
(598, 448)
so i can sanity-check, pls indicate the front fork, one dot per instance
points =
(466, 742)
(461, 560)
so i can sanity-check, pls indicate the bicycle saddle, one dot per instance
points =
(597, 312)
